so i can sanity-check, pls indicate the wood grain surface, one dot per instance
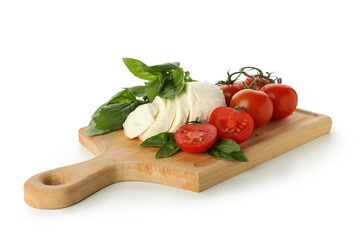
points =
(118, 158)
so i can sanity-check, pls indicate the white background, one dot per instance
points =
(60, 60)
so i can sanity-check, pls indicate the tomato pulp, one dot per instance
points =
(231, 123)
(256, 103)
(196, 138)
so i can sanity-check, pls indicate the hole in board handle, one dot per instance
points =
(57, 178)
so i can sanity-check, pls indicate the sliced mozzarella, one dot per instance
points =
(204, 98)
(140, 119)
(197, 100)
(182, 103)
(163, 120)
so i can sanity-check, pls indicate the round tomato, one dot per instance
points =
(196, 137)
(231, 123)
(261, 82)
(256, 103)
(284, 99)
(230, 89)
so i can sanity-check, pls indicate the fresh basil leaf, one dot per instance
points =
(166, 142)
(167, 149)
(113, 116)
(96, 113)
(227, 145)
(154, 87)
(159, 139)
(139, 69)
(92, 131)
(234, 156)
(122, 96)
(227, 149)
(138, 91)
(175, 85)
(157, 69)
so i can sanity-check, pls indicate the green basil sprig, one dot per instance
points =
(165, 141)
(163, 80)
(142, 71)
(227, 149)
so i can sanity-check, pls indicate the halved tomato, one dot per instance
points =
(230, 123)
(196, 137)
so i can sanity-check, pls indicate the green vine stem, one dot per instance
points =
(259, 77)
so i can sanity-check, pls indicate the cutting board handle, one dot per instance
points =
(65, 186)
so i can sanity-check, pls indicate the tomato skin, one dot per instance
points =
(284, 99)
(233, 124)
(196, 138)
(260, 85)
(256, 103)
(230, 90)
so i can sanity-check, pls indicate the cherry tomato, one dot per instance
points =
(230, 89)
(284, 99)
(256, 103)
(233, 124)
(262, 82)
(196, 137)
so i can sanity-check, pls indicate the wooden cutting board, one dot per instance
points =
(121, 159)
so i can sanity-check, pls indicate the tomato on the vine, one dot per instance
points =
(256, 103)
(261, 82)
(284, 99)
(196, 138)
(230, 89)
(230, 123)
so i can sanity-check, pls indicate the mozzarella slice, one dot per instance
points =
(182, 103)
(163, 120)
(204, 97)
(140, 119)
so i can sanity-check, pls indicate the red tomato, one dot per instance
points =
(233, 124)
(196, 137)
(284, 99)
(230, 90)
(256, 103)
(259, 85)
